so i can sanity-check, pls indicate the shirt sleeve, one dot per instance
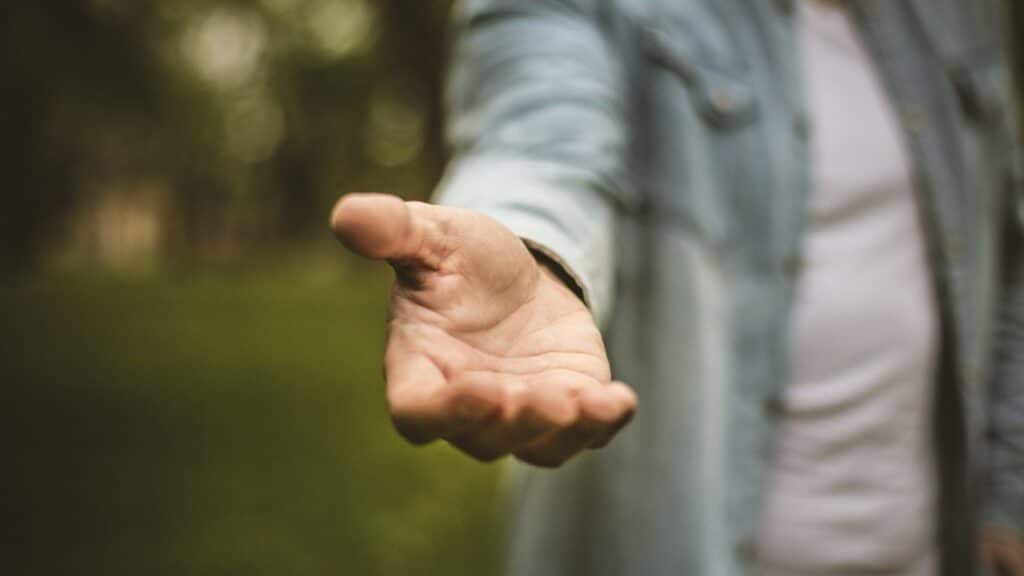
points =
(536, 122)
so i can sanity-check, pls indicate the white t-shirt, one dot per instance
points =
(853, 486)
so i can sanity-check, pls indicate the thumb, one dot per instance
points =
(385, 227)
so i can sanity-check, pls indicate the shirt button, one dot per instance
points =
(723, 101)
(913, 119)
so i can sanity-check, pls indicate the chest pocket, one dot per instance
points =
(701, 165)
(720, 96)
(960, 36)
(983, 89)
(982, 86)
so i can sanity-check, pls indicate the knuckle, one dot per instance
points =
(402, 412)
(591, 428)
(599, 417)
(408, 421)
(543, 459)
(566, 417)
(479, 452)
(412, 433)
(623, 420)
(470, 408)
(487, 457)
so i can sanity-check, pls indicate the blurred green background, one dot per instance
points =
(192, 365)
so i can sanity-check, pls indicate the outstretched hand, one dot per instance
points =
(486, 348)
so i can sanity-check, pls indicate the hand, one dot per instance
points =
(486, 348)
(1002, 552)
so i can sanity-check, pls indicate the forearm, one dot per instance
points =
(536, 122)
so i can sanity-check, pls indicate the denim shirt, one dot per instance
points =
(658, 150)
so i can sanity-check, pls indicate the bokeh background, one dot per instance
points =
(191, 364)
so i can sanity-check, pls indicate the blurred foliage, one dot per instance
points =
(223, 425)
(193, 368)
(235, 123)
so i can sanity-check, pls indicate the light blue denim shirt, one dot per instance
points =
(658, 150)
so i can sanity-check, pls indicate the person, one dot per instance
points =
(798, 224)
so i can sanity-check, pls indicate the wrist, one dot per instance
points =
(552, 270)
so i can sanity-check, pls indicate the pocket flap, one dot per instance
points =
(979, 89)
(723, 98)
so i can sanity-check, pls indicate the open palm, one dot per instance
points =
(486, 348)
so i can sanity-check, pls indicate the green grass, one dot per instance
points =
(224, 425)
